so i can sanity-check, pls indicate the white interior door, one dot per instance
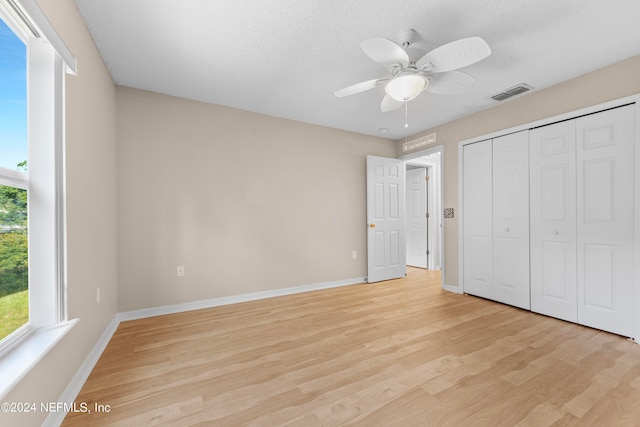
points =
(385, 219)
(416, 225)
(477, 223)
(553, 220)
(511, 219)
(605, 161)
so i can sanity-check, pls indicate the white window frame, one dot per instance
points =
(47, 60)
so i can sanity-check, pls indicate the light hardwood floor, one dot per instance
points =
(402, 352)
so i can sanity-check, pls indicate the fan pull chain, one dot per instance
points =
(406, 120)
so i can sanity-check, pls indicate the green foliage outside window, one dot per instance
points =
(14, 259)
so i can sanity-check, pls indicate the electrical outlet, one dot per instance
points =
(354, 255)
(98, 296)
(180, 270)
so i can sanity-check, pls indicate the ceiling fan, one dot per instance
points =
(413, 70)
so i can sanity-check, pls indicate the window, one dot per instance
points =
(14, 294)
(33, 60)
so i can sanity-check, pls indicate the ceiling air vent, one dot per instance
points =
(513, 91)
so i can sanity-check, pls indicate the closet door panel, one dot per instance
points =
(552, 152)
(477, 223)
(556, 269)
(605, 219)
(511, 219)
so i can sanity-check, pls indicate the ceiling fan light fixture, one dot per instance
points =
(406, 87)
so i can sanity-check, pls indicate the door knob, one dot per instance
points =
(555, 232)
(372, 226)
(506, 229)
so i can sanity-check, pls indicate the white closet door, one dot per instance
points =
(553, 220)
(605, 156)
(477, 223)
(511, 219)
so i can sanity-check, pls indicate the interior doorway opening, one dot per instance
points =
(424, 228)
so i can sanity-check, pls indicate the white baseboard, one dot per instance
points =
(216, 302)
(77, 382)
(451, 288)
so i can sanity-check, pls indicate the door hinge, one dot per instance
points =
(427, 252)
(426, 178)
(427, 214)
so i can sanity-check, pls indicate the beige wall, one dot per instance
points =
(91, 214)
(615, 81)
(246, 202)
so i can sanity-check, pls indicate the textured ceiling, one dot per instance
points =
(286, 58)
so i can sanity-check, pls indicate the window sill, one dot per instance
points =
(26, 354)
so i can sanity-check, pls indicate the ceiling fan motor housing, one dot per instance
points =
(410, 40)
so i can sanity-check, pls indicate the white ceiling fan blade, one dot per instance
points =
(389, 104)
(449, 83)
(385, 52)
(359, 87)
(454, 55)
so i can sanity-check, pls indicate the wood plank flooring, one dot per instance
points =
(396, 353)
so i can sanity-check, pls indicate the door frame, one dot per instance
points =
(426, 152)
(632, 99)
